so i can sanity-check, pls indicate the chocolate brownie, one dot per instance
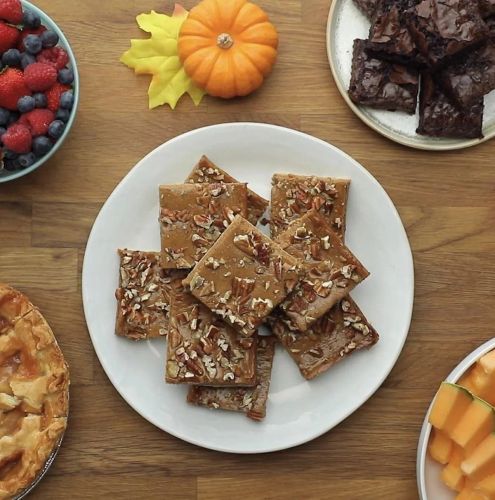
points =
(389, 33)
(440, 117)
(443, 29)
(472, 77)
(381, 84)
(487, 7)
(368, 6)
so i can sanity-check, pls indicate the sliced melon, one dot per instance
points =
(481, 462)
(487, 362)
(474, 426)
(451, 402)
(468, 494)
(486, 486)
(440, 446)
(483, 384)
(466, 381)
(453, 477)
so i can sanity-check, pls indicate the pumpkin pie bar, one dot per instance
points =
(244, 276)
(206, 172)
(202, 349)
(193, 216)
(338, 334)
(331, 270)
(143, 296)
(250, 400)
(294, 195)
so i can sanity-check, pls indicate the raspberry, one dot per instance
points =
(56, 56)
(8, 37)
(11, 11)
(18, 139)
(40, 76)
(37, 121)
(12, 88)
(53, 96)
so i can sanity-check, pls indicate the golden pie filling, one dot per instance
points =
(34, 391)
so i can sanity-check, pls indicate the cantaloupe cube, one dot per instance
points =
(486, 486)
(440, 446)
(481, 462)
(468, 494)
(453, 477)
(483, 384)
(477, 422)
(467, 382)
(451, 402)
(487, 362)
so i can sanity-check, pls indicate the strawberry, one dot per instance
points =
(40, 76)
(9, 35)
(56, 56)
(18, 139)
(53, 96)
(11, 11)
(37, 121)
(12, 88)
(28, 31)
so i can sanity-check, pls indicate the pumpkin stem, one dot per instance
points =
(225, 41)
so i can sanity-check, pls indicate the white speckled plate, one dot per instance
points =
(298, 410)
(346, 23)
(428, 471)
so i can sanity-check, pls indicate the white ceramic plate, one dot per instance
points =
(298, 411)
(430, 485)
(346, 23)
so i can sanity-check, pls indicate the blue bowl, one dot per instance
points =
(6, 176)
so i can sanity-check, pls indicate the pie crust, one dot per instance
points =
(34, 392)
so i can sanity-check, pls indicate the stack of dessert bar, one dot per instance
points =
(448, 45)
(218, 279)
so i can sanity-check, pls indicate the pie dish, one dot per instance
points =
(34, 392)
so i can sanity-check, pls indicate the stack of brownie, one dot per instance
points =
(447, 45)
(218, 278)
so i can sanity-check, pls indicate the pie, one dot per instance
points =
(34, 392)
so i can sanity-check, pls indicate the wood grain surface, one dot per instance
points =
(447, 202)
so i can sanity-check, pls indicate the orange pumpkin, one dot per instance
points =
(228, 47)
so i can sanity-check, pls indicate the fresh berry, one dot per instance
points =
(54, 94)
(49, 39)
(56, 56)
(40, 76)
(32, 44)
(37, 121)
(11, 11)
(9, 155)
(18, 139)
(56, 129)
(41, 145)
(40, 100)
(4, 117)
(31, 19)
(12, 58)
(67, 100)
(14, 117)
(9, 36)
(28, 31)
(2, 131)
(26, 104)
(26, 160)
(12, 88)
(66, 76)
(11, 165)
(27, 59)
(62, 115)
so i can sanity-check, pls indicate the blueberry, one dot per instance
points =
(26, 160)
(31, 19)
(56, 129)
(26, 104)
(40, 100)
(12, 58)
(49, 39)
(27, 59)
(4, 117)
(10, 155)
(63, 115)
(14, 116)
(32, 44)
(66, 76)
(2, 131)
(1, 64)
(11, 165)
(41, 145)
(67, 100)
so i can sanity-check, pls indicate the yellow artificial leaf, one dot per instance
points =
(158, 56)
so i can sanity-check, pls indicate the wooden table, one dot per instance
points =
(446, 201)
